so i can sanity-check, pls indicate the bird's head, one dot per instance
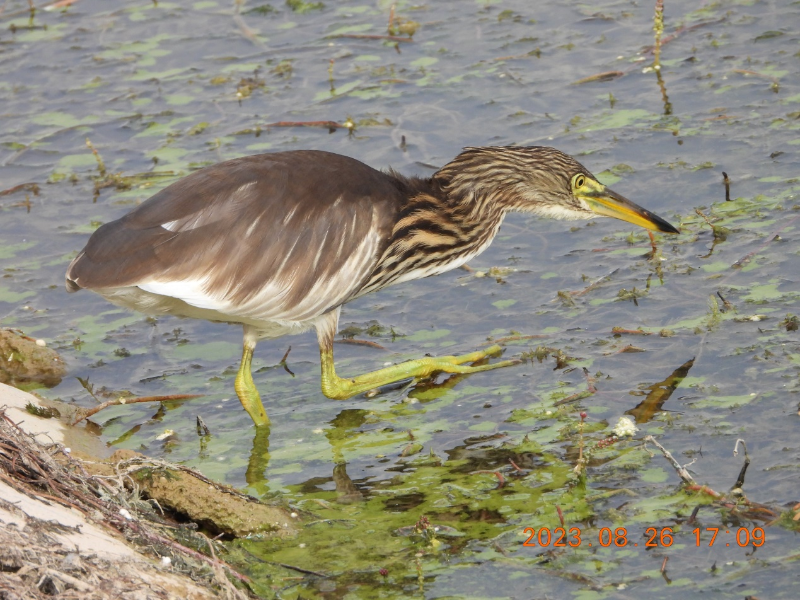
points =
(539, 180)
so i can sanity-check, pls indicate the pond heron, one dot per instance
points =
(279, 242)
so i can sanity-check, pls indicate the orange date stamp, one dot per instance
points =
(654, 537)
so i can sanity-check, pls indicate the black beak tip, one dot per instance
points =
(667, 228)
(663, 225)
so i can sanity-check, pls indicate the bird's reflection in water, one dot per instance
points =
(255, 476)
(344, 429)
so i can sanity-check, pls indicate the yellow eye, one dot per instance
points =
(579, 181)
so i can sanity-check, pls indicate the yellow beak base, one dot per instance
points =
(608, 203)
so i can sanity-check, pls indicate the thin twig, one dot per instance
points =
(770, 238)
(516, 466)
(120, 401)
(360, 343)
(514, 338)
(29, 187)
(604, 76)
(501, 481)
(285, 356)
(681, 471)
(202, 428)
(327, 124)
(727, 183)
(740, 479)
(364, 36)
(298, 569)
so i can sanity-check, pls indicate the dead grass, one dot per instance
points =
(36, 563)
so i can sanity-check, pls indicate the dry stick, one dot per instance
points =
(120, 401)
(691, 485)
(29, 187)
(593, 285)
(514, 338)
(663, 42)
(604, 76)
(513, 57)
(693, 517)
(628, 348)
(298, 569)
(55, 5)
(285, 356)
(770, 238)
(574, 397)
(727, 183)
(740, 480)
(284, 364)
(589, 381)
(246, 31)
(364, 36)
(501, 481)
(66, 579)
(756, 74)
(292, 567)
(328, 124)
(682, 472)
(360, 343)
(725, 303)
(202, 428)
(679, 32)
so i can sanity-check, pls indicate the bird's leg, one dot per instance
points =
(340, 388)
(245, 388)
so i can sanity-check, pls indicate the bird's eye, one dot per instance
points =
(579, 181)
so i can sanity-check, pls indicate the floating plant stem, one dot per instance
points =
(727, 183)
(101, 166)
(658, 27)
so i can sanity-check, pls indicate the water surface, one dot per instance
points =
(161, 89)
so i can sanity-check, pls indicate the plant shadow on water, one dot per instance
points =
(427, 491)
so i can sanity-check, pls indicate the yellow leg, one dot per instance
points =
(246, 389)
(340, 388)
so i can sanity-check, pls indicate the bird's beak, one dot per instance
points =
(608, 203)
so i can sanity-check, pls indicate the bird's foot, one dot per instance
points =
(340, 388)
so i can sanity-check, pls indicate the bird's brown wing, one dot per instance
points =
(283, 236)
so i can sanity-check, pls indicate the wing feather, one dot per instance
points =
(275, 236)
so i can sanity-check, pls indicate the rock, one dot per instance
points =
(23, 361)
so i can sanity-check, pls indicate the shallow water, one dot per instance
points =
(165, 88)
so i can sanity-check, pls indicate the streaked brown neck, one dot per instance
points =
(440, 227)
